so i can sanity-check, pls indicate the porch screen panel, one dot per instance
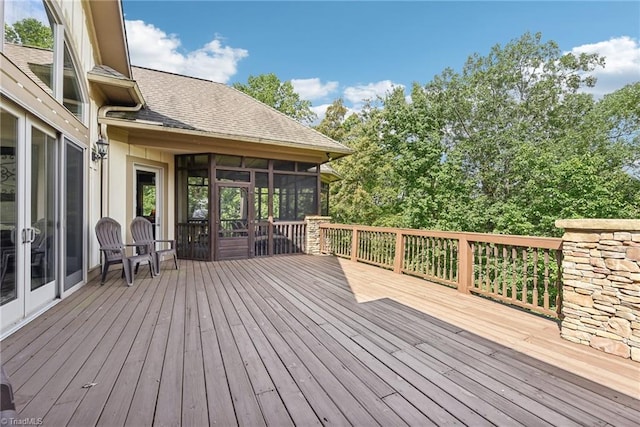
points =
(294, 196)
(193, 210)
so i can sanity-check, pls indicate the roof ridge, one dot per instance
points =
(178, 75)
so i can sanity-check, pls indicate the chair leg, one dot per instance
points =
(153, 267)
(175, 261)
(105, 268)
(127, 267)
(156, 263)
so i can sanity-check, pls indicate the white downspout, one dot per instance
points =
(104, 183)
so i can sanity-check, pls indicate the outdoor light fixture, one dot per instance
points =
(100, 150)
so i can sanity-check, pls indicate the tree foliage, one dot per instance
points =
(509, 144)
(268, 88)
(29, 32)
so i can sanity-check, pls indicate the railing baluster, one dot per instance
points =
(525, 274)
(535, 278)
(546, 280)
(504, 271)
(514, 287)
(487, 251)
(496, 272)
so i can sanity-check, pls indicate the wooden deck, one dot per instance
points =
(307, 341)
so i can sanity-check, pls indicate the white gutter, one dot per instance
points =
(105, 109)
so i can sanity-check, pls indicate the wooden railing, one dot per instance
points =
(192, 239)
(518, 270)
(278, 238)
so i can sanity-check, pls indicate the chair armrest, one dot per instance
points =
(111, 248)
(171, 242)
(139, 243)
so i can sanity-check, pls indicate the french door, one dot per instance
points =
(29, 237)
(148, 196)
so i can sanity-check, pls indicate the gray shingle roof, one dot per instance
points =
(106, 71)
(35, 62)
(190, 103)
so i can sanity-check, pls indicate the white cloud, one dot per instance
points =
(320, 111)
(360, 93)
(153, 48)
(311, 89)
(21, 9)
(622, 63)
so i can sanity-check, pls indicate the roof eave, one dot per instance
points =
(331, 153)
(132, 88)
(108, 21)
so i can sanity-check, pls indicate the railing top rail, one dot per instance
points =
(501, 239)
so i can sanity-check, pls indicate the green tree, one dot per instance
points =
(268, 88)
(29, 32)
(332, 125)
(367, 192)
(509, 144)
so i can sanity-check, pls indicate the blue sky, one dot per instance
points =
(357, 50)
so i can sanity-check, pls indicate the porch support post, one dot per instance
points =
(312, 233)
(601, 284)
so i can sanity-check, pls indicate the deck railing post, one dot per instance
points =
(465, 265)
(354, 244)
(313, 238)
(399, 253)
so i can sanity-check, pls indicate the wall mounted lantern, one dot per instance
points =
(100, 150)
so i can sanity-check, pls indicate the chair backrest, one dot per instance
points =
(41, 237)
(142, 231)
(109, 233)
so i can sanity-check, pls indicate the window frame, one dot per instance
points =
(61, 40)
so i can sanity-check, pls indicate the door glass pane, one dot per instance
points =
(43, 197)
(234, 211)
(8, 206)
(73, 215)
(146, 195)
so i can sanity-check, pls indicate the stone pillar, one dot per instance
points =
(312, 245)
(601, 284)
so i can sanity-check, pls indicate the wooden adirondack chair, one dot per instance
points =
(109, 234)
(142, 232)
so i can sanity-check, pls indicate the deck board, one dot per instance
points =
(301, 340)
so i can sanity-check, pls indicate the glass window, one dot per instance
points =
(230, 161)
(200, 161)
(29, 39)
(284, 165)
(250, 162)
(30, 35)
(233, 176)
(71, 92)
(307, 167)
